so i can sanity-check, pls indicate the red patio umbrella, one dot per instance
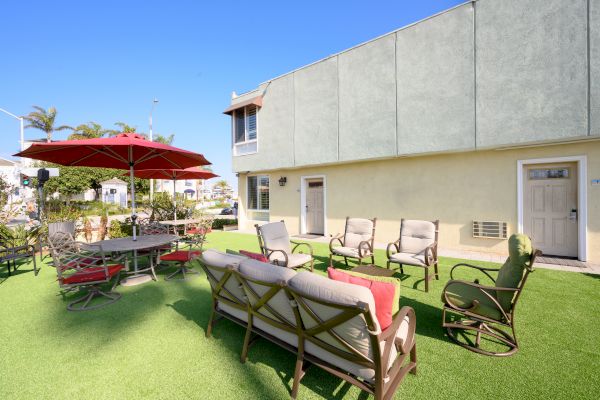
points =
(124, 151)
(174, 174)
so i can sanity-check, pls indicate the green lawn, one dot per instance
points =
(151, 344)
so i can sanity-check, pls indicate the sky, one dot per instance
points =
(105, 61)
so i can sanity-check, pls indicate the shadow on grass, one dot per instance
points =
(19, 270)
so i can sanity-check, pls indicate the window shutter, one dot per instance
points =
(251, 118)
(252, 193)
(239, 126)
(264, 193)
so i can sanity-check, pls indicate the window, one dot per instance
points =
(244, 130)
(552, 173)
(258, 193)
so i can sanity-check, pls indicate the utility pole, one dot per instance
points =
(152, 139)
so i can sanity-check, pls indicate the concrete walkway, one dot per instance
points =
(465, 255)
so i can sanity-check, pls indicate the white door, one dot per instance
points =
(550, 208)
(314, 207)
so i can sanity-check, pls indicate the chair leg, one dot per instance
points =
(298, 375)
(331, 260)
(373, 259)
(93, 292)
(211, 321)
(413, 359)
(312, 265)
(426, 279)
(246, 345)
(401, 269)
(387, 265)
(437, 273)
(35, 270)
(346, 261)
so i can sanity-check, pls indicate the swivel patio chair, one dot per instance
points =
(356, 242)
(80, 269)
(417, 246)
(489, 310)
(182, 258)
(276, 246)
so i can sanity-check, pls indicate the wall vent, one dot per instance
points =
(490, 229)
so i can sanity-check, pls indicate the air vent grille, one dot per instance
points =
(490, 229)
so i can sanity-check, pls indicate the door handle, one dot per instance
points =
(573, 214)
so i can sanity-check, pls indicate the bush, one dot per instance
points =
(120, 229)
(218, 223)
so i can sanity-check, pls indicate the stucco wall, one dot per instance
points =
(455, 188)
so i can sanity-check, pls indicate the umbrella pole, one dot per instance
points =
(174, 201)
(133, 216)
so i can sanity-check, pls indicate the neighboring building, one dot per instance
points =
(114, 191)
(193, 189)
(487, 112)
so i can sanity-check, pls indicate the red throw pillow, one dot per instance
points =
(383, 293)
(254, 256)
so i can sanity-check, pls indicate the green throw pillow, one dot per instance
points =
(394, 281)
(511, 273)
(233, 252)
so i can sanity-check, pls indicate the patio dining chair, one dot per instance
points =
(181, 258)
(416, 246)
(154, 254)
(489, 310)
(356, 242)
(85, 269)
(12, 253)
(276, 246)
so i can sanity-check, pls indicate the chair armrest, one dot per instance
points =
(298, 244)
(485, 290)
(390, 335)
(431, 253)
(396, 245)
(276, 262)
(361, 245)
(484, 270)
(337, 237)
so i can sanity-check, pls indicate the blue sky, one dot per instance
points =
(105, 61)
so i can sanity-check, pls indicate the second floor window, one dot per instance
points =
(244, 130)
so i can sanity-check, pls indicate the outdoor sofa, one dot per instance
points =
(324, 322)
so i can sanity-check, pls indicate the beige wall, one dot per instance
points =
(454, 188)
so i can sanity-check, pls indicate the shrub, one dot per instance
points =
(120, 229)
(218, 223)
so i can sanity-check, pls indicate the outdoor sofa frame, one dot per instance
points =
(384, 384)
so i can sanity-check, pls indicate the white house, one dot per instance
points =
(114, 191)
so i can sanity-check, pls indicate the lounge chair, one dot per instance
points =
(489, 310)
(357, 241)
(275, 244)
(416, 246)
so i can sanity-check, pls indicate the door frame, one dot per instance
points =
(581, 196)
(303, 192)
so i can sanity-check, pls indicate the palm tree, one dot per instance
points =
(164, 139)
(44, 120)
(123, 128)
(91, 130)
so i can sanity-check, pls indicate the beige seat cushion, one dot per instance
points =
(213, 258)
(348, 252)
(354, 331)
(268, 273)
(357, 230)
(416, 235)
(294, 259)
(408, 259)
(275, 236)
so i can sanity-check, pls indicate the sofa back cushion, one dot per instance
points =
(511, 273)
(357, 230)
(416, 235)
(275, 237)
(216, 262)
(278, 308)
(355, 330)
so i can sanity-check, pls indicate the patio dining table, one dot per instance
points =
(127, 244)
(174, 223)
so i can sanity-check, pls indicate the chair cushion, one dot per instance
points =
(213, 259)
(295, 260)
(408, 259)
(511, 273)
(255, 256)
(181, 255)
(383, 294)
(348, 252)
(462, 295)
(268, 273)
(276, 237)
(357, 230)
(93, 274)
(387, 279)
(416, 235)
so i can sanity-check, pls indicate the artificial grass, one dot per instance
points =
(151, 343)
